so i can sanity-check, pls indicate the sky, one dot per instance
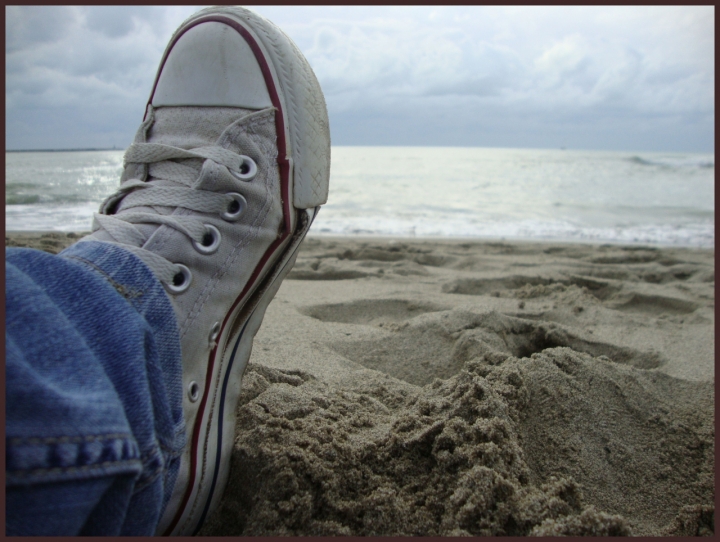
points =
(623, 78)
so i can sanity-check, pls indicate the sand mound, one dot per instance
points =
(501, 448)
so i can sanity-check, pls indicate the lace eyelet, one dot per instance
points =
(235, 208)
(193, 391)
(181, 281)
(213, 235)
(246, 170)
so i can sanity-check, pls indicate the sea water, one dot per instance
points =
(566, 195)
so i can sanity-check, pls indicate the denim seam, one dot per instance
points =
(145, 481)
(169, 450)
(52, 440)
(124, 291)
(147, 459)
(179, 431)
(26, 473)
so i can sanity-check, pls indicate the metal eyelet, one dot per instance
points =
(181, 281)
(235, 208)
(246, 170)
(214, 333)
(210, 242)
(193, 391)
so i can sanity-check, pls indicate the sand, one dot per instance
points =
(455, 387)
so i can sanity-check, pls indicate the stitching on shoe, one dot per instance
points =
(243, 128)
(306, 80)
(287, 88)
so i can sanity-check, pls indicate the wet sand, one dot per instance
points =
(455, 387)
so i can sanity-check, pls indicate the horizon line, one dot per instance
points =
(94, 149)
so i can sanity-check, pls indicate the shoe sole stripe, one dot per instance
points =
(284, 171)
(221, 410)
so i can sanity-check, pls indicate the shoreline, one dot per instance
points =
(30, 235)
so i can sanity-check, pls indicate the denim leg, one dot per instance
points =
(94, 424)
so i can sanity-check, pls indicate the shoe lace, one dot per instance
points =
(163, 165)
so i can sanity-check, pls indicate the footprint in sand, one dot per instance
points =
(611, 294)
(654, 304)
(370, 312)
(524, 286)
(373, 261)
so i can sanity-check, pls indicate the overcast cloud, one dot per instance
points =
(619, 78)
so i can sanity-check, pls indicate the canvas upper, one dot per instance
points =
(219, 187)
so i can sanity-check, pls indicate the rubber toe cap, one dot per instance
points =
(211, 64)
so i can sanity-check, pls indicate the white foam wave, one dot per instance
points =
(66, 218)
(691, 234)
(674, 162)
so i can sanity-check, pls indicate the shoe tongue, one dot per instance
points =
(190, 127)
(186, 128)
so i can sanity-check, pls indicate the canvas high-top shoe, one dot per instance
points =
(219, 188)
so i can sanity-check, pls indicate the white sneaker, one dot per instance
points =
(219, 188)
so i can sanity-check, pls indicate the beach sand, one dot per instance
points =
(464, 387)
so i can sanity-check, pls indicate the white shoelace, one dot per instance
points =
(137, 193)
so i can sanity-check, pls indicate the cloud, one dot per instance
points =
(116, 21)
(437, 71)
(29, 25)
(75, 64)
(395, 59)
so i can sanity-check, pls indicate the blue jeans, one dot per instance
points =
(94, 421)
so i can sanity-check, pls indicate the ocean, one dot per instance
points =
(563, 195)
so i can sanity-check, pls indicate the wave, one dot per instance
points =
(47, 199)
(24, 193)
(22, 199)
(673, 162)
(698, 233)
